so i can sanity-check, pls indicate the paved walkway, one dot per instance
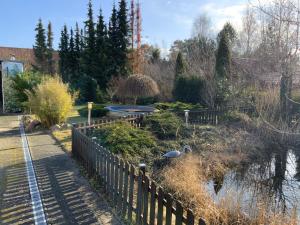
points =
(67, 197)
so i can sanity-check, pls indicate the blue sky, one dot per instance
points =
(164, 21)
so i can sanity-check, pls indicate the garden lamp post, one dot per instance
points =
(90, 106)
(186, 115)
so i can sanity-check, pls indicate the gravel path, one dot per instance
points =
(67, 196)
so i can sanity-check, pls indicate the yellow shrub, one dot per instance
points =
(51, 101)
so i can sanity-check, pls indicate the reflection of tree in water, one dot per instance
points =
(266, 177)
(297, 175)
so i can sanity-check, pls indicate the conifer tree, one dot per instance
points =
(50, 61)
(123, 36)
(180, 67)
(113, 47)
(40, 48)
(89, 52)
(63, 54)
(101, 46)
(72, 60)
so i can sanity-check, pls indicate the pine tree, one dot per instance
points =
(123, 36)
(63, 54)
(40, 48)
(101, 47)
(72, 59)
(180, 67)
(113, 47)
(89, 52)
(50, 61)
(78, 42)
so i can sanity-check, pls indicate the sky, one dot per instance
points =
(164, 21)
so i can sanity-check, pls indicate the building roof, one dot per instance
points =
(25, 55)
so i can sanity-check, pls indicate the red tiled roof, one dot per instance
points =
(25, 55)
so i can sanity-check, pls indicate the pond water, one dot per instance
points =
(275, 178)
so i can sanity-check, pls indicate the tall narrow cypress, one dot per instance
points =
(40, 48)
(63, 54)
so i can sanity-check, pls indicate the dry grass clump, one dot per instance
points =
(186, 178)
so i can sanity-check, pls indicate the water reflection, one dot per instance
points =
(274, 177)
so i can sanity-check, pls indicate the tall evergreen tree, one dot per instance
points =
(223, 58)
(101, 47)
(49, 54)
(89, 52)
(72, 59)
(180, 67)
(64, 54)
(123, 36)
(113, 69)
(40, 48)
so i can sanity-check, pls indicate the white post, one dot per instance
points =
(90, 106)
(186, 114)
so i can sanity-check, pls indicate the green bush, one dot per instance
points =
(177, 106)
(21, 84)
(164, 125)
(146, 100)
(51, 101)
(188, 89)
(122, 138)
(97, 111)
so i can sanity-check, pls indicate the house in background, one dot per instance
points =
(14, 61)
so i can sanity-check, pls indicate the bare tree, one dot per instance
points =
(282, 19)
(249, 34)
(202, 26)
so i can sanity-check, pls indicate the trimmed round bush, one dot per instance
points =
(97, 111)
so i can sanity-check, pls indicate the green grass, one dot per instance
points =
(74, 116)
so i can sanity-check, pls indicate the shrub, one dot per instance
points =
(177, 106)
(88, 89)
(97, 111)
(164, 125)
(188, 89)
(138, 86)
(11, 103)
(146, 100)
(122, 138)
(50, 101)
(23, 83)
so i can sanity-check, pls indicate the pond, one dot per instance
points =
(275, 178)
(125, 110)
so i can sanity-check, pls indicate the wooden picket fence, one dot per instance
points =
(212, 116)
(136, 197)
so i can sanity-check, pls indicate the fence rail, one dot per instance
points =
(136, 197)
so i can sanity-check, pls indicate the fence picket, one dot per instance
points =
(145, 199)
(131, 190)
(179, 213)
(152, 203)
(116, 179)
(169, 209)
(160, 206)
(121, 175)
(125, 194)
(139, 199)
